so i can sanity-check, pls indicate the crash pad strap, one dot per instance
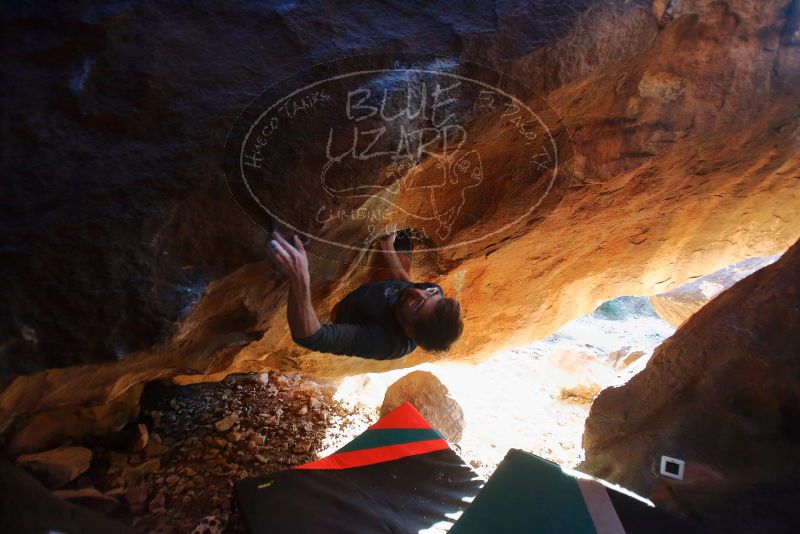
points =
(597, 501)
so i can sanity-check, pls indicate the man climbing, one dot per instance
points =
(383, 319)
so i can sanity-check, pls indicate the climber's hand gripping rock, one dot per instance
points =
(291, 260)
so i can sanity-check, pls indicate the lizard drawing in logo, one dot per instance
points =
(436, 188)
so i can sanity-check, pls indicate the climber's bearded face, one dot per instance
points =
(416, 305)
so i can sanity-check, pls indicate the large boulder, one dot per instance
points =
(431, 399)
(57, 467)
(723, 395)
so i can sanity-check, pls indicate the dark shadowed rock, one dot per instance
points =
(27, 506)
(140, 438)
(115, 211)
(56, 467)
(89, 498)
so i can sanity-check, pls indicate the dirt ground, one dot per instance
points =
(172, 470)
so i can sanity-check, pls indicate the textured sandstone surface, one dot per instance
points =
(686, 136)
(116, 214)
(723, 395)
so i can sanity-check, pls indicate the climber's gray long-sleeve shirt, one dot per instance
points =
(365, 324)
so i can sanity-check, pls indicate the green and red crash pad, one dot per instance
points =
(398, 476)
(401, 476)
(530, 494)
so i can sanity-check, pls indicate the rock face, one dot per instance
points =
(125, 217)
(679, 304)
(431, 399)
(684, 131)
(723, 395)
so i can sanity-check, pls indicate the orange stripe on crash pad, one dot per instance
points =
(346, 460)
(404, 416)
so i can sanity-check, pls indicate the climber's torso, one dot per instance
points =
(365, 323)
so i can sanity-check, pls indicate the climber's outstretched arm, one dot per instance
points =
(396, 269)
(292, 260)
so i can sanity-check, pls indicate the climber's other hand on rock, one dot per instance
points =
(291, 259)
